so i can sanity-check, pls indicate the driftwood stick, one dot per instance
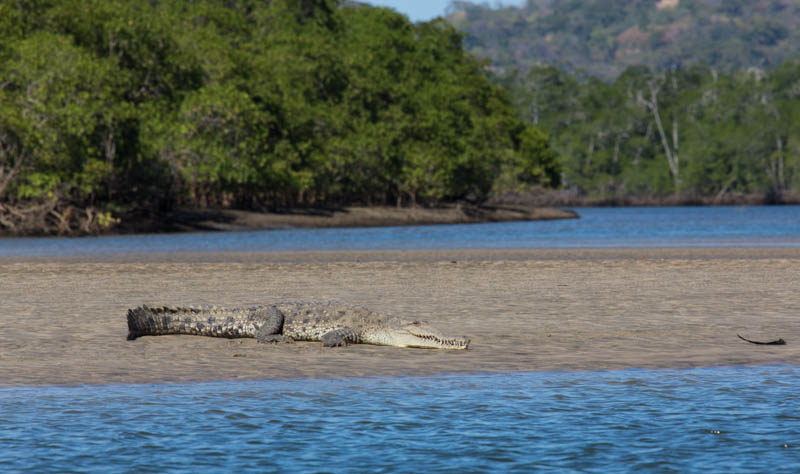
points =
(779, 342)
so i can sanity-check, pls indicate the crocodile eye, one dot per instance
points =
(415, 323)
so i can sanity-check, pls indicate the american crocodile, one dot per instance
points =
(334, 324)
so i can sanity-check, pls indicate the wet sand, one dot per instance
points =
(62, 319)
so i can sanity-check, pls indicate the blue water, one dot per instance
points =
(597, 227)
(719, 419)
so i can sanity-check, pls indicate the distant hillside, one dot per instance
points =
(603, 37)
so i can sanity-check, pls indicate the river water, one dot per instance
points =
(698, 420)
(731, 419)
(597, 227)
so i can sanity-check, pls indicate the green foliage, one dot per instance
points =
(118, 106)
(726, 133)
(56, 97)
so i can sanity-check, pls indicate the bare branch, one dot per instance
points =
(652, 104)
(724, 189)
(780, 177)
(675, 140)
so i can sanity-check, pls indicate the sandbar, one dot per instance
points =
(62, 319)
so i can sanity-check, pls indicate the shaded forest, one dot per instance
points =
(694, 135)
(113, 111)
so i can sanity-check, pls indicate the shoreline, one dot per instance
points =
(186, 219)
(63, 322)
(421, 255)
(323, 377)
(194, 219)
(572, 198)
(512, 208)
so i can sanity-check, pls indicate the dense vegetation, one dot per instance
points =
(604, 37)
(114, 112)
(691, 135)
(654, 101)
(115, 109)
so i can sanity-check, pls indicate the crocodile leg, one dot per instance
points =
(272, 327)
(340, 337)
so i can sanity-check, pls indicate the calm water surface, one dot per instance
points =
(716, 419)
(597, 227)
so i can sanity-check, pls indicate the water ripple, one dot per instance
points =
(734, 419)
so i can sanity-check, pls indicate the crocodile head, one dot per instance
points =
(413, 334)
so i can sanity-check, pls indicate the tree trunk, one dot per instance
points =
(781, 179)
(671, 153)
(8, 171)
(110, 148)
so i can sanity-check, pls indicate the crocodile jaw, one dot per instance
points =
(415, 334)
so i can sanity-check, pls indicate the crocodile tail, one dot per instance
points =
(215, 322)
(155, 321)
